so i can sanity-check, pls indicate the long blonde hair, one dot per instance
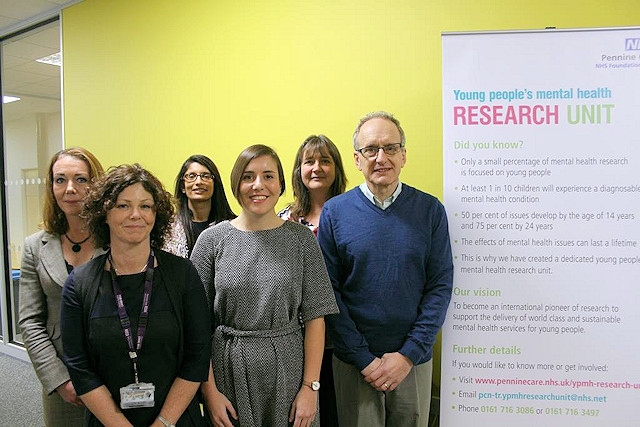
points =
(53, 219)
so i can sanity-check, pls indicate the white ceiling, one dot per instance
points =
(38, 85)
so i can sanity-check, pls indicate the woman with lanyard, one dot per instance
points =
(265, 278)
(135, 323)
(49, 255)
(201, 202)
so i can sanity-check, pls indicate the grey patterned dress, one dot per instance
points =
(259, 285)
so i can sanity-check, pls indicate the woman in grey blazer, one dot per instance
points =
(48, 257)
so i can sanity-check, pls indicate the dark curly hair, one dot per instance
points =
(104, 192)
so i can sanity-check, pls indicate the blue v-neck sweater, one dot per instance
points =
(391, 271)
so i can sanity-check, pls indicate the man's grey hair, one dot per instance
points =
(375, 115)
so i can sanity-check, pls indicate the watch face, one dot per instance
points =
(315, 386)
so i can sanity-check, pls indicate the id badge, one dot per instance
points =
(140, 395)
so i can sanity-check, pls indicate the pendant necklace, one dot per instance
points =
(76, 245)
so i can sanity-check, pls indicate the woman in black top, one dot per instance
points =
(135, 290)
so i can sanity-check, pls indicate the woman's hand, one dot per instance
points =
(304, 407)
(68, 393)
(220, 408)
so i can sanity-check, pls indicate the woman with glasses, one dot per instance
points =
(265, 280)
(48, 257)
(201, 202)
(317, 176)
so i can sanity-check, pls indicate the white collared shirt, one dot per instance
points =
(385, 203)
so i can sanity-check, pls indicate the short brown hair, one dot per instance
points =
(378, 115)
(53, 219)
(104, 193)
(245, 158)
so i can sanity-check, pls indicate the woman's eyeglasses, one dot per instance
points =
(190, 177)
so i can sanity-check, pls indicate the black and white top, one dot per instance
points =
(258, 285)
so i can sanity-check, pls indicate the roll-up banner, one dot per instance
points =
(542, 189)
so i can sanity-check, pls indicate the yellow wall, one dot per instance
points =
(155, 81)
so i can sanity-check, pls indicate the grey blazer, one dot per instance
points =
(42, 276)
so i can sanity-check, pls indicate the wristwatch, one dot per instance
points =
(165, 421)
(313, 385)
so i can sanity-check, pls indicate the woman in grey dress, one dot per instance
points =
(265, 280)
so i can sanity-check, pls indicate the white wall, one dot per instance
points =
(22, 146)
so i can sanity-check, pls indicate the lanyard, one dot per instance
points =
(144, 313)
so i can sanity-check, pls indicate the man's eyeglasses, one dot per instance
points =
(372, 151)
(190, 177)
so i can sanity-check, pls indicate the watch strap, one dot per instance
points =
(313, 385)
(165, 421)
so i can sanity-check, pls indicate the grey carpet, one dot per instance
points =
(20, 394)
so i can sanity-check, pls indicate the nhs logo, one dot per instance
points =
(632, 44)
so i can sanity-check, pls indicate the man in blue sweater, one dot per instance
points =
(387, 249)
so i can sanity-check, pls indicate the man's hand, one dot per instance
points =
(371, 367)
(391, 371)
